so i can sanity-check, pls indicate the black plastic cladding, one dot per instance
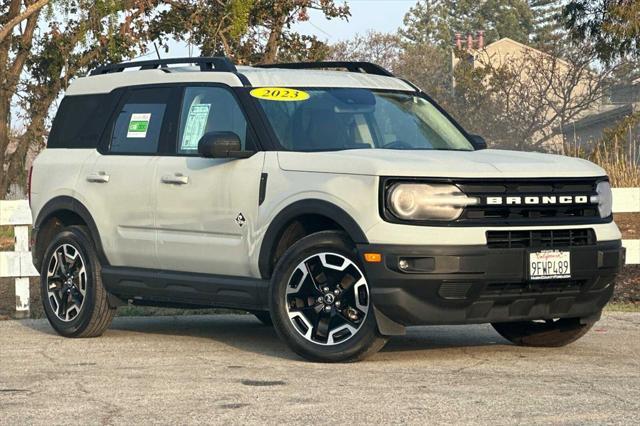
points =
(386, 182)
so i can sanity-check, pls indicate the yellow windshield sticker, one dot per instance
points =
(279, 94)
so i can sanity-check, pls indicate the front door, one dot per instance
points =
(206, 208)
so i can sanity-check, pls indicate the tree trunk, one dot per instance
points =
(5, 126)
(10, 72)
(271, 49)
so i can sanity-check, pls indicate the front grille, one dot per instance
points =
(533, 287)
(541, 238)
(509, 214)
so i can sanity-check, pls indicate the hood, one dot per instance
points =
(462, 164)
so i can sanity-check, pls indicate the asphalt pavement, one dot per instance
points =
(229, 369)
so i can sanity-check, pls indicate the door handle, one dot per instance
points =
(177, 179)
(100, 177)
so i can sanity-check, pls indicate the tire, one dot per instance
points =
(89, 314)
(324, 314)
(550, 334)
(264, 317)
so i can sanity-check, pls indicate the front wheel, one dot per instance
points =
(320, 302)
(548, 333)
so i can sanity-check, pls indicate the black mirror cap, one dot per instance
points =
(222, 145)
(478, 142)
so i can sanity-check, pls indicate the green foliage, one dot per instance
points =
(437, 21)
(611, 25)
(248, 31)
(547, 17)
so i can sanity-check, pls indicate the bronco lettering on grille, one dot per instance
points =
(533, 200)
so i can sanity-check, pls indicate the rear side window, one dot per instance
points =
(139, 121)
(80, 121)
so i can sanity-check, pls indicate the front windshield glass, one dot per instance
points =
(337, 119)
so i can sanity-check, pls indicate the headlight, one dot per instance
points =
(604, 199)
(419, 201)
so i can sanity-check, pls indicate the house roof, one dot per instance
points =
(605, 113)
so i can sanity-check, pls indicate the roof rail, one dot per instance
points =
(215, 63)
(361, 67)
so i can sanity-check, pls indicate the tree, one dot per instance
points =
(427, 23)
(15, 48)
(249, 31)
(81, 38)
(610, 25)
(381, 48)
(547, 22)
(437, 21)
(522, 102)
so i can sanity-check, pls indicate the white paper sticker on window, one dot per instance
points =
(139, 125)
(195, 125)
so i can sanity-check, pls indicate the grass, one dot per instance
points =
(622, 307)
(6, 238)
(6, 231)
(621, 161)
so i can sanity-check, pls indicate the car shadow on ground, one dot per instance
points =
(247, 334)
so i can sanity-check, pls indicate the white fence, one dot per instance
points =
(17, 264)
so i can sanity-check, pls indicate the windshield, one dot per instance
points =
(337, 119)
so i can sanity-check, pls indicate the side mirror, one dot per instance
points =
(221, 145)
(478, 142)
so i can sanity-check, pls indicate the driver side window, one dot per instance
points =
(210, 109)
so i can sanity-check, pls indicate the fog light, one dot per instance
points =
(403, 264)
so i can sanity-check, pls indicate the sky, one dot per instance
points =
(378, 15)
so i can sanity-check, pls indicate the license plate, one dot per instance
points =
(549, 265)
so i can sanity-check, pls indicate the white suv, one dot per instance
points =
(332, 199)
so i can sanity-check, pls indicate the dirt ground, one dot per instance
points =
(229, 369)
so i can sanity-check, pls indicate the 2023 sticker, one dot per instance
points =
(279, 94)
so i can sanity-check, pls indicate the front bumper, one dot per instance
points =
(477, 284)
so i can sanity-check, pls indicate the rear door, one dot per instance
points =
(120, 182)
(206, 208)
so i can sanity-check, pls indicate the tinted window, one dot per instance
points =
(336, 119)
(138, 125)
(210, 109)
(80, 121)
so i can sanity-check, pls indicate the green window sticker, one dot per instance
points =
(138, 125)
(195, 126)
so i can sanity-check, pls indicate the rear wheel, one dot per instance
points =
(549, 333)
(75, 302)
(320, 301)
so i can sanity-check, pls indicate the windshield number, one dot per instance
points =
(279, 94)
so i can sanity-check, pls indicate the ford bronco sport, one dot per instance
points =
(332, 199)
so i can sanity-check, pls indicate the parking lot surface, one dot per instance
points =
(229, 369)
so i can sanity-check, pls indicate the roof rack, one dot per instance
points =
(215, 63)
(361, 67)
